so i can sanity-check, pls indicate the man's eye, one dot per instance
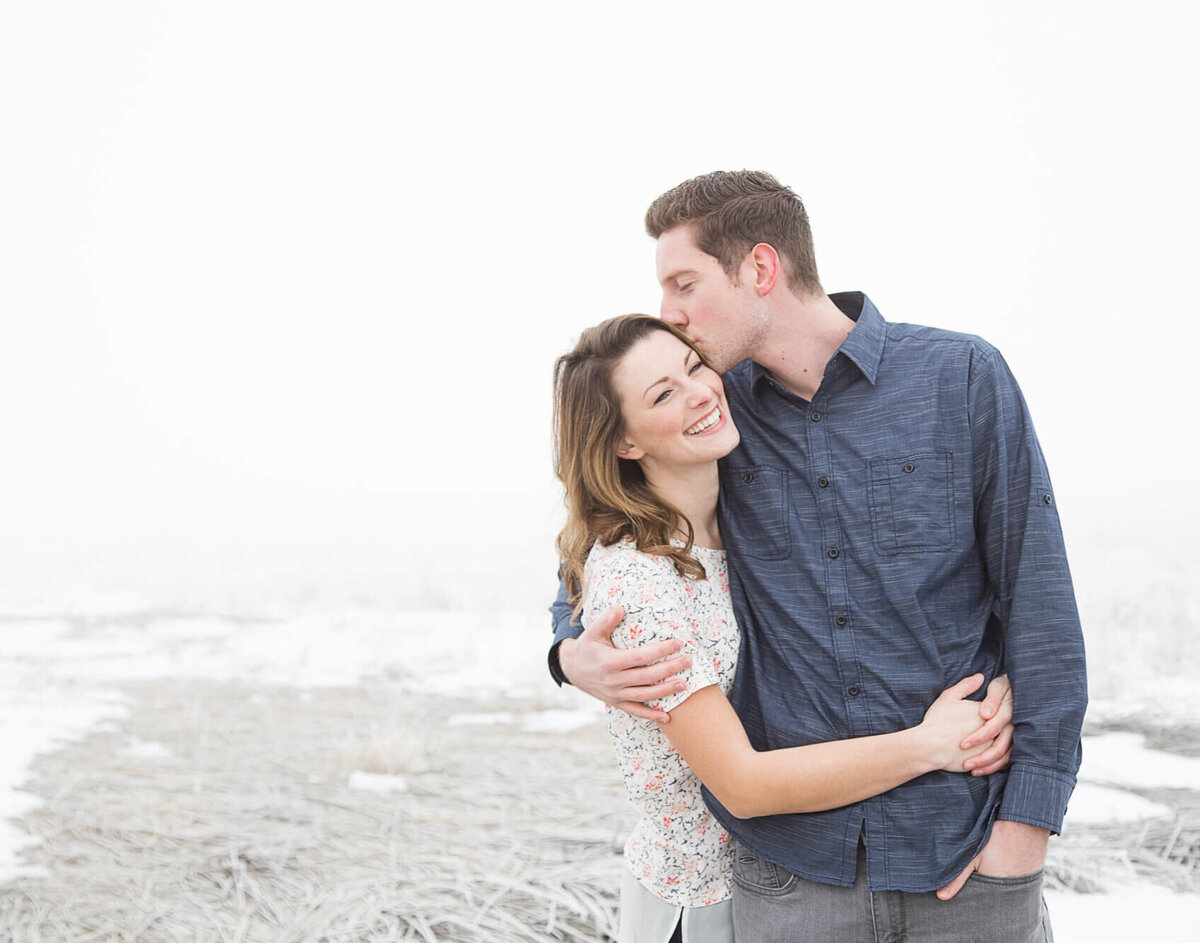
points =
(685, 287)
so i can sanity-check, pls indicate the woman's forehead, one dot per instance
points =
(656, 356)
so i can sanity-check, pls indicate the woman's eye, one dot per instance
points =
(695, 367)
(661, 396)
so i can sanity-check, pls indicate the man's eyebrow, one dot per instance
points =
(686, 358)
(676, 273)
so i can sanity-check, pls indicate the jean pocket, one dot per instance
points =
(760, 876)
(756, 498)
(1016, 881)
(912, 502)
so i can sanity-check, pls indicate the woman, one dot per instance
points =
(640, 422)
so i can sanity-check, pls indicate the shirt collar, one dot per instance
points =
(863, 346)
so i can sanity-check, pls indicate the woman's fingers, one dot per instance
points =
(988, 730)
(1000, 764)
(999, 696)
(995, 757)
(997, 708)
(965, 687)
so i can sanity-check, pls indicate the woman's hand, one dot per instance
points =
(997, 708)
(952, 721)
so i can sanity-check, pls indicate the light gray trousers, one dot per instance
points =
(771, 905)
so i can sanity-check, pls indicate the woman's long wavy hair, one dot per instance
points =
(607, 497)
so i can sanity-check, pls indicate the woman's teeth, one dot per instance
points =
(710, 420)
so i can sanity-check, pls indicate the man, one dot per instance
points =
(890, 528)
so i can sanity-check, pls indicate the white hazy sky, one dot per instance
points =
(289, 273)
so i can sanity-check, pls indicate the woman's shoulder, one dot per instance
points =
(623, 555)
(620, 572)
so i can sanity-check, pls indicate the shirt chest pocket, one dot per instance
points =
(756, 500)
(912, 502)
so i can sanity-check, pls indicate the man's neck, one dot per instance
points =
(805, 333)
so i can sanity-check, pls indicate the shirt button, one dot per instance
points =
(833, 553)
(816, 417)
(909, 468)
(853, 689)
(1047, 499)
(840, 620)
(823, 482)
(748, 477)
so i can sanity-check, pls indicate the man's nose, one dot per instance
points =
(672, 315)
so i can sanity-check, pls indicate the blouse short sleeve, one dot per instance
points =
(659, 605)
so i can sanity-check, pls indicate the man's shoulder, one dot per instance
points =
(936, 339)
(918, 353)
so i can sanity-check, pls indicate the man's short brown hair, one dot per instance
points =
(732, 211)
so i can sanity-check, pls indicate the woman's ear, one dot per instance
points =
(629, 450)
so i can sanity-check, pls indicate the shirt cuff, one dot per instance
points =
(556, 671)
(1037, 796)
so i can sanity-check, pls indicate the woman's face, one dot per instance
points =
(673, 405)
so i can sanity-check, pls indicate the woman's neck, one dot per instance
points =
(692, 491)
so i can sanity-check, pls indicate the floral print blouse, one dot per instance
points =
(677, 850)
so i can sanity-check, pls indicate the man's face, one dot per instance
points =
(725, 320)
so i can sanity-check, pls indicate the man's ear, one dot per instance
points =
(629, 450)
(767, 268)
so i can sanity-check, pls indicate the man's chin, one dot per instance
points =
(720, 361)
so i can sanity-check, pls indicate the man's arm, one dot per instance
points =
(626, 679)
(564, 625)
(1018, 530)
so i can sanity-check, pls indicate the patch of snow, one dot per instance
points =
(145, 749)
(1123, 759)
(1091, 805)
(1129, 913)
(558, 721)
(377, 782)
(479, 720)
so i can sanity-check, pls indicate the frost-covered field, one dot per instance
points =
(76, 659)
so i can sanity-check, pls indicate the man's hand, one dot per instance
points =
(996, 711)
(622, 678)
(1013, 849)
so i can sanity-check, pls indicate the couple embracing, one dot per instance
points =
(800, 537)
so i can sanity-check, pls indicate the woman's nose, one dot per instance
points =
(699, 393)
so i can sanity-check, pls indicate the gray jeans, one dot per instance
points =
(771, 905)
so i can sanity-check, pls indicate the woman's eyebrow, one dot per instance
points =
(655, 383)
(686, 358)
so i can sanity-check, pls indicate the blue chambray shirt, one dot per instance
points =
(886, 539)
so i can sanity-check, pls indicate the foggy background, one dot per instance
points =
(281, 284)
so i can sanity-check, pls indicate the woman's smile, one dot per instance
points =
(708, 423)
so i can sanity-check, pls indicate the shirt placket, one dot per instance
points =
(822, 428)
(822, 441)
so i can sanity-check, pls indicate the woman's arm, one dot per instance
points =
(710, 738)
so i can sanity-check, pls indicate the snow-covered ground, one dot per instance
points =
(64, 652)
